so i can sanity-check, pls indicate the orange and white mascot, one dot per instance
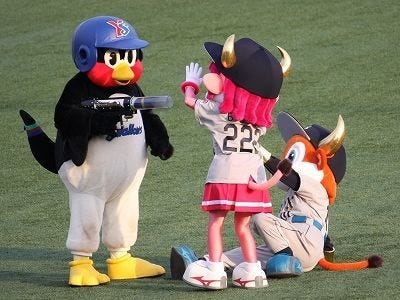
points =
(314, 162)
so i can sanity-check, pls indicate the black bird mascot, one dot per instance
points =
(101, 154)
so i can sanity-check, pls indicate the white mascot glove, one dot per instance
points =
(193, 73)
(193, 77)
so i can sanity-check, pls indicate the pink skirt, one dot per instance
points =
(235, 197)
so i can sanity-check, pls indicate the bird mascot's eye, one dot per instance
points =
(296, 152)
(130, 57)
(111, 58)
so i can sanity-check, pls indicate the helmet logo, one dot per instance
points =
(121, 28)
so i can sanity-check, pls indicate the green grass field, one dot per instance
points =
(345, 61)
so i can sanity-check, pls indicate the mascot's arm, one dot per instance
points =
(292, 180)
(155, 131)
(73, 120)
(156, 135)
(76, 124)
(73, 124)
(69, 117)
(284, 168)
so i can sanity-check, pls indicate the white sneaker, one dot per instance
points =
(249, 275)
(206, 274)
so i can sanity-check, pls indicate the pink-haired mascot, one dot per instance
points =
(243, 87)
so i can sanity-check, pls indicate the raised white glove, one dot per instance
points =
(193, 73)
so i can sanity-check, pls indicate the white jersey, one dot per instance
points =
(235, 159)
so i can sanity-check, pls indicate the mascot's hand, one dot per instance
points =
(193, 73)
(285, 166)
(168, 153)
(193, 78)
(103, 122)
(162, 151)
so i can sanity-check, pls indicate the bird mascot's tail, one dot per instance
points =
(42, 147)
(374, 261)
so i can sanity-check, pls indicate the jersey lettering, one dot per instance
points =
(239, 137)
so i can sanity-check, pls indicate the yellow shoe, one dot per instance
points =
(128, 267)
(82, 273)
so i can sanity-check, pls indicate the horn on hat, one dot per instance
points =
(335, 139)
(228, 57)
(286, 62)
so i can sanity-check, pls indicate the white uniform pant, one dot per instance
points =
(102, 202)
(117, 219)
(306, 241)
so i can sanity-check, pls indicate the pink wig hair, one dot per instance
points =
(245, 106)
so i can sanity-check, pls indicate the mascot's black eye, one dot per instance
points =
(130, 57)
(291, 155)
(111, 58)
(296, 152)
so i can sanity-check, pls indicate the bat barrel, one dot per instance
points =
(150, 102)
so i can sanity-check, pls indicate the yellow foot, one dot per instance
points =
(82, 273)
(128, 267)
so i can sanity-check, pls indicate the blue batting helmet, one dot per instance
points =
(102, 32)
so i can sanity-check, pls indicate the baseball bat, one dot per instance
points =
(129, 103)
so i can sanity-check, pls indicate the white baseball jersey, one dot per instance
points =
(310, 200)
(235, 158)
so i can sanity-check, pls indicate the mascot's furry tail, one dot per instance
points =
(374, 261)
(41, 145)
